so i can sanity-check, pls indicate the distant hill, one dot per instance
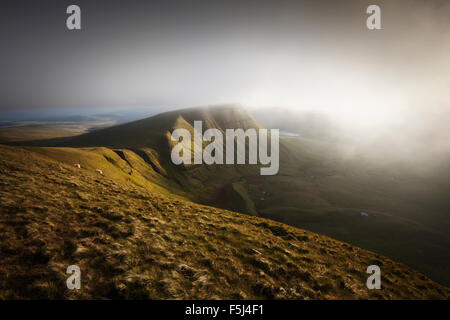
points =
(133, 242)
(150, 132)
(51, 127)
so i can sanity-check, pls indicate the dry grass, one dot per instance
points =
(131, 243)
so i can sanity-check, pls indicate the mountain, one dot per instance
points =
(319, 186)
(148, 140)
(133, 242)
(153, 131)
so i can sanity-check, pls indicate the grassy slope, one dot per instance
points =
(316, 188)
(134, 243)
(131, 168)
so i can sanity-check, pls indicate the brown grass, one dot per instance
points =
(131, 243)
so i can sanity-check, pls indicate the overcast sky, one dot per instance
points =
(305, 54)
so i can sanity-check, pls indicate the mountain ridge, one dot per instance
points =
(151, 131)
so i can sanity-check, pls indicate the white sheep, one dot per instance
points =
(99, 171)
(77, 165)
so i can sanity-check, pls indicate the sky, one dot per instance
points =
(312, 55)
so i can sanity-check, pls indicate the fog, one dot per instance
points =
(384, 91)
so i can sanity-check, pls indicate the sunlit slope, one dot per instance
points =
(141, 169)
(131, 242)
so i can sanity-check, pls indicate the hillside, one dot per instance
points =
(131, 242)
(149, 140)
(319, 187)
